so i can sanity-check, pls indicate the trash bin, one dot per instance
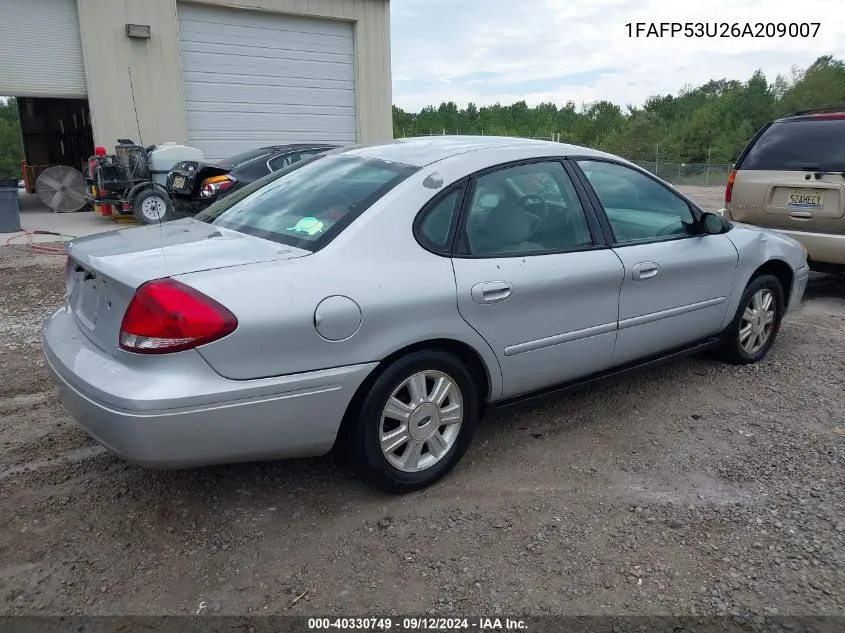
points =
(10, 210)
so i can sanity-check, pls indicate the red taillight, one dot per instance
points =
(216, 184)
(730, 188)
(165, 316)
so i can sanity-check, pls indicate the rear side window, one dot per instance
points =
(798, 145)
(309, 203)
(243, 157)
(435, 229)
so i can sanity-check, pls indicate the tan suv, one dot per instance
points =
(791, 178)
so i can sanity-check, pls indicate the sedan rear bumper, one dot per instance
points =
(174, 411)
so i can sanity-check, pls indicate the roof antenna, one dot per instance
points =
(135, 107)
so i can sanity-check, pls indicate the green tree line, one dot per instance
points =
(10, 140)
(713, 121)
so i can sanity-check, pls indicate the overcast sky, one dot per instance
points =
(486, 51)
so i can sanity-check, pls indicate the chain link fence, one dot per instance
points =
(689, 174)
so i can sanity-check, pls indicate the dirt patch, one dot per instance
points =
(708, 198)
(695, 488)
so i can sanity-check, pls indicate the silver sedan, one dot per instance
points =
(377, 300)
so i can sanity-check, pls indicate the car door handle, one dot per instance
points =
(645, 270)
(801, 215)
(491, 291)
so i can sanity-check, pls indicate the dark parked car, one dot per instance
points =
(193, 186)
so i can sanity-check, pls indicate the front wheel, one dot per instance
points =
(417, 421)
(755, 326)
(152, 206)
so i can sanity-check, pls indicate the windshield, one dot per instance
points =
(307, 204)
(241, 158)
(798, 145)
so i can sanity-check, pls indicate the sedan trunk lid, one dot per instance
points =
(105, 270)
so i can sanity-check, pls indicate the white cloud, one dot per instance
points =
(559, 50)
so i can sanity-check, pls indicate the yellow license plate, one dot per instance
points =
(179, 182)
(805, 199)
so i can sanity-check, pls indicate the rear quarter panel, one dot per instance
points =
(406, 295)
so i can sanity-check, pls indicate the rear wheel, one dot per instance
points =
(152, 206)
(416, 421)
(755, 326)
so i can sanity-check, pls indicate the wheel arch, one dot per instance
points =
(143, 186)
(779, 269)
(474, 361)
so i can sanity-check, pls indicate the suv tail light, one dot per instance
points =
(730, 188)
(166, 316)
(216, 184)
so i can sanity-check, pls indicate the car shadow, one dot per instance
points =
(823, 286)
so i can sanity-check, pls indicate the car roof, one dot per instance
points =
(422, 151)
(816, 114)
(273, 150)
(294, 146)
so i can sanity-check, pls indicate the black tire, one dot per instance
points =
(366, 453)
(147, 196)
(732, 350)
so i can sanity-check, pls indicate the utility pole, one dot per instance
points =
(656, 155)
(707, 170)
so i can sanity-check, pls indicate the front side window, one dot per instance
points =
(637, 207)
(310, 202)
(526, 209)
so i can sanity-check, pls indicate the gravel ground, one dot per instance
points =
(695, 488)
(709, 198)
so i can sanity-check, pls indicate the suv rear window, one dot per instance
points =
(798, 145)
(309, 203)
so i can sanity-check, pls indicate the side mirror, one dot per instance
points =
(712, 224)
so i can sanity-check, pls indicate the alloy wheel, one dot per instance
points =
(758, 321)
(421, 421)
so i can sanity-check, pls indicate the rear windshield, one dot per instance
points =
(798, 145)
(241, 158)
(307, 204)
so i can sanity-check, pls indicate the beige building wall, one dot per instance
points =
(116, 65)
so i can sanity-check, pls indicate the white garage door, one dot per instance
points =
(40, 49)
(254, 78)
